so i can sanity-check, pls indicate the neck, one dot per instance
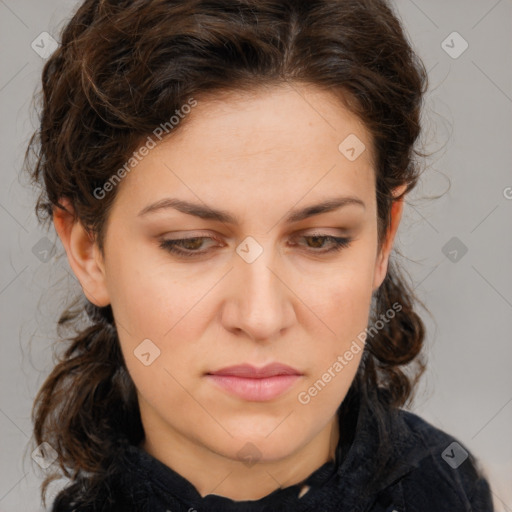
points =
(212, 473)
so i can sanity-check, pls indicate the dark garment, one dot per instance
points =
(424, 472)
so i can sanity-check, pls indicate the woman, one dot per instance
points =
(227, 179)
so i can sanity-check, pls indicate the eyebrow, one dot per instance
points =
(209, 213)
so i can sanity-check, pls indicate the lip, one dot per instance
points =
(251, 372)
(255, 384)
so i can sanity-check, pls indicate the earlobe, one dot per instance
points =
(381, 264)
(83, 254)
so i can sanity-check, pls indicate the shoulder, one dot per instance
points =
(442, 468)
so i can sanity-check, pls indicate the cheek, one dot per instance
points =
(149, 297)
(343, 303)
(344, 300)
(154, 302)
(347, 316)
(334, 360)
(168, 314)
(351, 304)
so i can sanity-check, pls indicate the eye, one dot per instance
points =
(190, 247)
(185, 246)
(318, 241)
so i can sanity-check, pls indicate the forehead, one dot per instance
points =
(286, 139)
(299, 118)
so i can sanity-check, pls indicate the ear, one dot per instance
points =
(84, 256)
(381, 264)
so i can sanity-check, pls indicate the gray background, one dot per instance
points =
(467, 390)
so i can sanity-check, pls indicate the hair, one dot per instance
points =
(122, 69)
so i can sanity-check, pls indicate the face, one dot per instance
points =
(266, 283)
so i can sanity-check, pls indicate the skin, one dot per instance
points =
(257, 156)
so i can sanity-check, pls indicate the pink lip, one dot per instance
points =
(256, 384)
(251, 372)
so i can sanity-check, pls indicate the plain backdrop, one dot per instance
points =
(458, 248)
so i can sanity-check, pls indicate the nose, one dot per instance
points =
(259, 304)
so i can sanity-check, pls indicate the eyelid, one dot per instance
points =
(310, 232)
(318, 231)
(335, 244)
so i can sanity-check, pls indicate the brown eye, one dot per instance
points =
(317, 241)
(190, 247)
(187, 247)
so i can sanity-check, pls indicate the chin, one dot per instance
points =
(258, 450)
(266, 440)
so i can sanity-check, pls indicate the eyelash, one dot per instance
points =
(338, 244)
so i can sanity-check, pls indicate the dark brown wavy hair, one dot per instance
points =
(124, 67)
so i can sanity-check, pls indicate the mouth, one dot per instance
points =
(255, 384)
